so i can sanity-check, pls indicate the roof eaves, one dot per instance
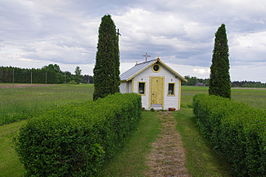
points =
(174, 72)
(131, 77)
(151, 63)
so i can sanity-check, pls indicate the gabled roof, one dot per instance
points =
(139, 68)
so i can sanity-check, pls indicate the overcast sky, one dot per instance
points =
(34, 33)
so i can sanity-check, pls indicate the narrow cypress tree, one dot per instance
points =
(117, 65)
(220, 84)
(107, 59)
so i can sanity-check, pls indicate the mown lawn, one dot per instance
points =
(131, 160)
(10, 165)
(22, 103)
(201, 160)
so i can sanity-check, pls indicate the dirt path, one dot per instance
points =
(167, 157)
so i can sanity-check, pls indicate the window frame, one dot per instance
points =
(158, 69)
(173, 89)
(143, 94)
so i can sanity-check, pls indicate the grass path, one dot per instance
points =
(134, 159)
(130, 161)
(10, 165)
(167, 157)
(201, 160)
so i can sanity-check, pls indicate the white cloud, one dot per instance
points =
(252, 72)
(248, 47)
(187, 70)
(36, 33)
(201, 71)
(160, 28)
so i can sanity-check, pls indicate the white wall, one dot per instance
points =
(129, 87)
(169, 101)
(125, 87)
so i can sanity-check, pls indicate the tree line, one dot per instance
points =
(194, 81)
(50, 74)
(253, 84)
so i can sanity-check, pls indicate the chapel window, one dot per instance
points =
(141, 87)
(171, 89)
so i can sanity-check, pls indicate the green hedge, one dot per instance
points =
(76, 140)
(236, 130)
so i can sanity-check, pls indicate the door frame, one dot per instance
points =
(150, 78)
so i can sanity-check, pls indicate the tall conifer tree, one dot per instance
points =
(107, 60)
(117, 64)
(220, 84)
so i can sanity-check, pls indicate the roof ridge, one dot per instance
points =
(145, 62)
(138, 68)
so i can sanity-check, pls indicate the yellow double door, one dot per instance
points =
(157, 90)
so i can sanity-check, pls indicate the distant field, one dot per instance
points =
(23, 85)
(251, 96)
(22, 101)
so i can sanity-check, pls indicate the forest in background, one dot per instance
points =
(194, 81)
(50, 74)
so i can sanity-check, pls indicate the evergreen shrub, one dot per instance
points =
(219, 83)
(76, 139)
(235, 130)
(106, 70)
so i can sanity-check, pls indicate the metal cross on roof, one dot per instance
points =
(117, 32)
(146, 56)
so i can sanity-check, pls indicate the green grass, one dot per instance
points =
(131, 160)
(9, 162)
(253, 97)
(188, 92)
(22, 103)
(201, 160)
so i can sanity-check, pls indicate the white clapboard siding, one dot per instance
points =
(143, 74)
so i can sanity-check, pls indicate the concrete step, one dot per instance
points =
(157, 106)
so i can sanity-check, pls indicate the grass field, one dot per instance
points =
(22, 103)
(201, 161)
(253, 97)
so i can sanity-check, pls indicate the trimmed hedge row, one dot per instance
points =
(75, 140)
(236, 130)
